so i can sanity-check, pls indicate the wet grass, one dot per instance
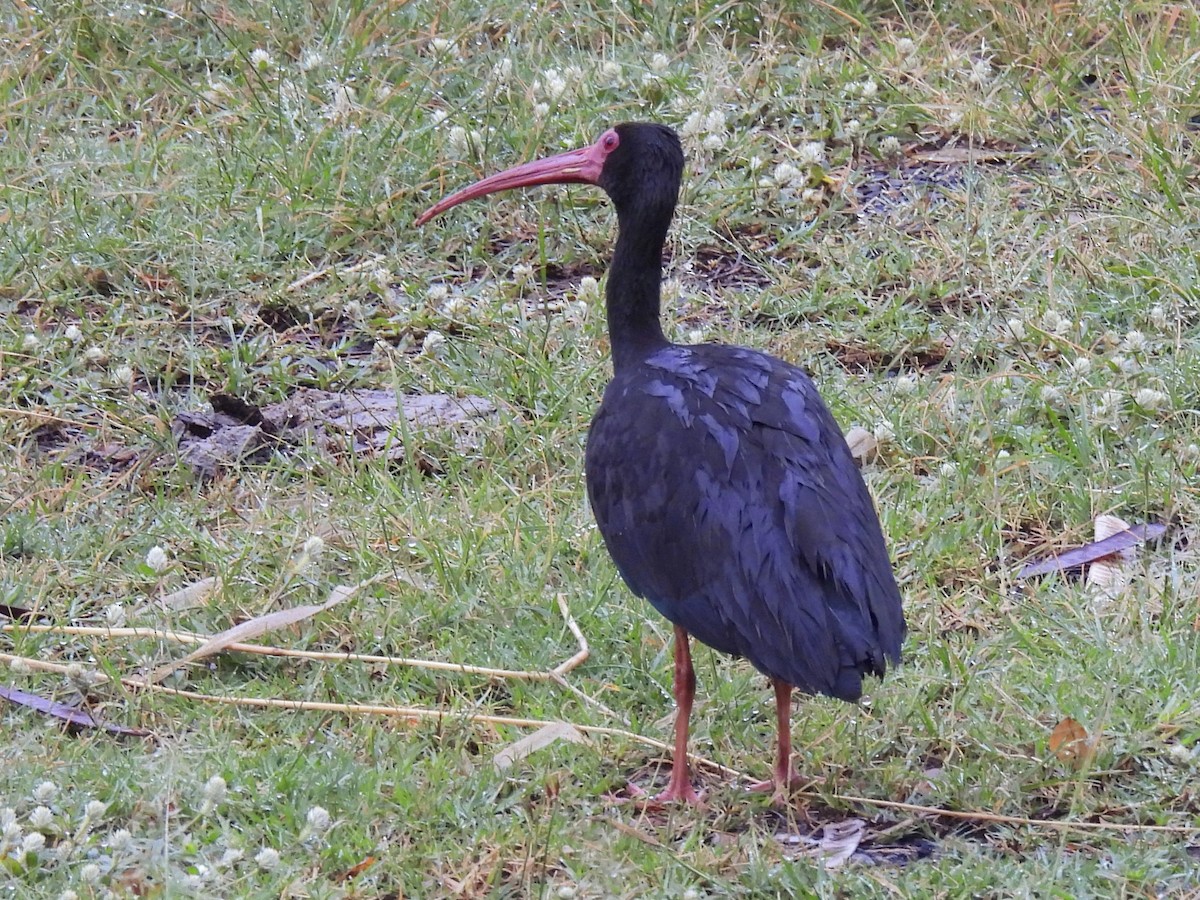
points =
(975, 228)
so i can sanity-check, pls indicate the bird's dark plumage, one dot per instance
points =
(722, 486)
(728, 499)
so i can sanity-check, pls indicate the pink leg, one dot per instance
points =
(783, 778)
(680, 785)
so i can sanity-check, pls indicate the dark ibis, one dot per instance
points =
(721, 484)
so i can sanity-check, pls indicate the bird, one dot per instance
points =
(720, 482)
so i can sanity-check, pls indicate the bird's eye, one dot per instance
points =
(610, 141)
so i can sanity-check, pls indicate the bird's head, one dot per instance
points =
(638, 164)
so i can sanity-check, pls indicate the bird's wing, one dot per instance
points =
(727, 498)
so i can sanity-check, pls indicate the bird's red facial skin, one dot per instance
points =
(582, 166)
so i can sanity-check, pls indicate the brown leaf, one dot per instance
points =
(355, 870)
(79, 718)
(1069, 742)
(256, 627)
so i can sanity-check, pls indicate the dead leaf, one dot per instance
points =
(189, 596)
(79, 718)
(839, 841)
(543, 737)
(862, 443)
(363, 422)
(355, 870)
(1089, 553)
(257, 627)
(1070, 744)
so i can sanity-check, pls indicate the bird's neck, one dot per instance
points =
(633, 295)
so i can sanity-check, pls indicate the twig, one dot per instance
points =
(416, 713)
(979, 816)
(321, 273)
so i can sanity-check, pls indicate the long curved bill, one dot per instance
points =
(580, 166)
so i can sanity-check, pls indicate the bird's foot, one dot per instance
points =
(677, 791)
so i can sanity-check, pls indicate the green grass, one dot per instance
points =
(1025, 342)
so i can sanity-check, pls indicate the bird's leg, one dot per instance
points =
(680, 785)
(783, 777)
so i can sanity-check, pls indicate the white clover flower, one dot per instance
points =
(95, 809)
(981, 72)
(811, 153)
(672, 289)
(610, 71)
(213, 794)
(157, 559)
(754, 163)
(318, 820)
(522, 272)
(1053, 396)
(229, 857)
(41, 818)
(787, 175)
(31, 341)
(456, 307)
(313, 546)
(343, 101)
(95, 354)
(8, 816)
(659, 63)
(541, 110)
(1081, 365)
(33, 842)
(589, 289)
(1054, 322)
(1127, 364)
(123, 374)
(260, 60)
(1134, 342)
(459, 139)
(20, 666)
(852, 128)
(114, 615)
(74, 333)
(1158, 317)
(810, 196)
(90, 873)
(565, 892)
(1016, 328)
(867, 89)
(12, 833)
(44, 792)
(311, 59)
(68, 895)
(696, 336)
(890, 146)
(905, 46)
(552, 85)
(436, 293)
(884, 433)
(1109, 404)
(905, 384)
(120, 840)
(434, 344)
(1150, 399)
(267, 859)
(443, 46)
(438, 116)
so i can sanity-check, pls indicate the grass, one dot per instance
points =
(1023, 341)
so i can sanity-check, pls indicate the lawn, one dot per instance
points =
(975, 226)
